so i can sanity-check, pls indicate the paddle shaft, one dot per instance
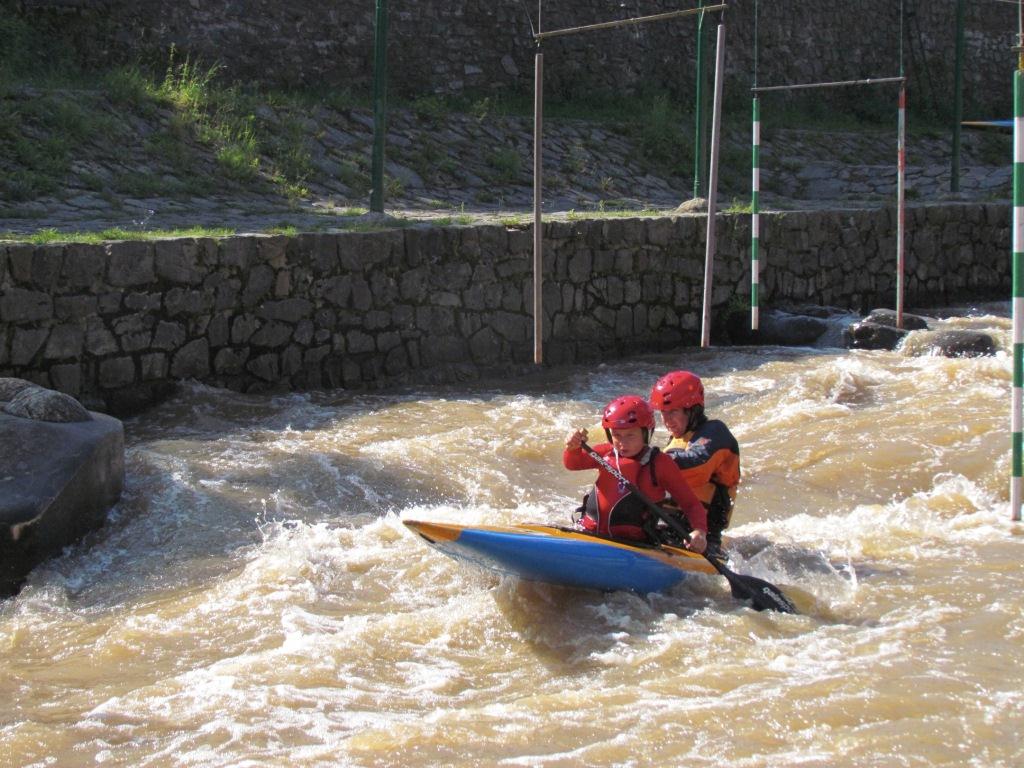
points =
(759, 592)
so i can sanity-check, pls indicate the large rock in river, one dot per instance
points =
(61, 469)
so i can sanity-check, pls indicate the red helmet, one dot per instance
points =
(679, 389)
(627, 412)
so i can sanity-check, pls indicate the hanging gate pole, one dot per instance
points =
(901, 202)
(755, 218)
(1017, 391)
(538, 239)
(716, 129)
(380, 88)
(900, 181)
(538, 36)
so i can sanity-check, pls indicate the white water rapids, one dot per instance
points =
(255, 600)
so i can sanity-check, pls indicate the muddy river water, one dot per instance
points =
(256, 601)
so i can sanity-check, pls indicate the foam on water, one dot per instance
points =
(256, 599)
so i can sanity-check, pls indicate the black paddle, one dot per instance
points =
(758, 591)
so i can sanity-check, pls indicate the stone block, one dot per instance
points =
(238, 253)
(117, 372)
(192, 360)
(37, 267)
(185, 301)
(178, 261)
(65, 343)
(242, 328)
(130, 263)
(18, 305)
(25, 344)
(258, 283)
(74, 307)
(361, 251)
(84, 265)
(99, 341)
(218, 331)
(287, 310)
(265, 367)
(272, 250)
(230, 361)
(153, 366)
(272, 335)
(67, 378)
(336, 290)
(291, 360)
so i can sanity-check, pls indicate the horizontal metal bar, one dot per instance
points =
(869, 81)
(627, 22)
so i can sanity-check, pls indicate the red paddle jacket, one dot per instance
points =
(653, 472)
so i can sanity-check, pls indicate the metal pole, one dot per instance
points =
(901, 203)
(627, 22)
(835, 84)
(716, 127)
(755, 218)
(380, 87)
(958, 97)
(538, 252)
(1017, 392)
(698, 129)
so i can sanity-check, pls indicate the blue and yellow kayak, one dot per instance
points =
(555, 555)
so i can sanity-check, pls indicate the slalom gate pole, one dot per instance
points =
(1018, 290)
(380, 99)
(901, 202)
(716, 130)
(755, 218)
(538, 193)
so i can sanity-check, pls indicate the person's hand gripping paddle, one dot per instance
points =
(759, 592)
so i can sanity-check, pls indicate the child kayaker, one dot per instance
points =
(610, 509)
(704, 449)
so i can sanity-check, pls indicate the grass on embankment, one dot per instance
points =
(180, 131)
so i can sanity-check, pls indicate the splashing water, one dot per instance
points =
(255, 600)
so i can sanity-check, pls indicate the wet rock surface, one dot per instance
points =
(830, 326)
(58, 478)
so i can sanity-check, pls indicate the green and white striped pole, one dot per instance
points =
(755, 219)
(1018, 288)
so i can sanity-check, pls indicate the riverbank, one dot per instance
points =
(137, 157)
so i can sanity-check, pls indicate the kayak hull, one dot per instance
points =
(566, 557)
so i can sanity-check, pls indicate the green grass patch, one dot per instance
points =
(613, 213)
(447, 221)
(739, 206)
(45, 236)
(505, 164)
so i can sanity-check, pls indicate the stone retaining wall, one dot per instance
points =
(117, 324)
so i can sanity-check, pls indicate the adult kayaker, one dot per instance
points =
(609, 508)
(704, 449)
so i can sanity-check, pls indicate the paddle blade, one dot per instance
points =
(762, 595)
